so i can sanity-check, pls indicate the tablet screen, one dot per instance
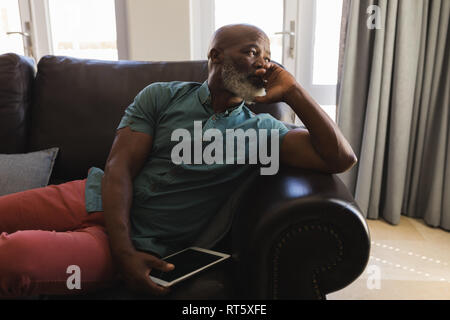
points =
(185, 262)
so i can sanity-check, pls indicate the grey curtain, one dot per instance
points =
(393, 107)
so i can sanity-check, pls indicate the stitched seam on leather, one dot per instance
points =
(290, 234)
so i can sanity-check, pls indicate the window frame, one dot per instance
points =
(323, 94)
(304, 14)
(39, 16)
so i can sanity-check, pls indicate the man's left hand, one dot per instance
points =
(278, 83)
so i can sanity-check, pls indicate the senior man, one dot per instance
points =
(146, 205)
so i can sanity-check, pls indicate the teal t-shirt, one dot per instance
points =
(172, 203)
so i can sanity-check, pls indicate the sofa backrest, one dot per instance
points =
(78, 103)
(16, 83)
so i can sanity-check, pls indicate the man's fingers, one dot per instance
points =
(155, 288)
(168, 267)
(159, 264)
(260, 72)
(261, 99)
(147, 286)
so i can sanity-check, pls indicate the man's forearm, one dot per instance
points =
(117, 194)
(325, 135)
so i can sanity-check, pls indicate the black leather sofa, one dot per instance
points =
(295, 235)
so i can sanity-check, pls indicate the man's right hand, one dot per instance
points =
(135, 271)
(127, 157)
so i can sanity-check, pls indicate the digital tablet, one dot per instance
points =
(187, 263)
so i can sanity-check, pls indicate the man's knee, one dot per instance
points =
(35, 261)
(15, 266)
(16, 254)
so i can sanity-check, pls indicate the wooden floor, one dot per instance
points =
(410, 261)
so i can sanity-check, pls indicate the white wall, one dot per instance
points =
(159, 30)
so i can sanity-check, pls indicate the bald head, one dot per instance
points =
(232, 34)
(235, 54)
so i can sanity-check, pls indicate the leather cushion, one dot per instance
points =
(16, 79)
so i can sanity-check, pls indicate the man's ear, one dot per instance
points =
(215, 55)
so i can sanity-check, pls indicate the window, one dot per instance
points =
(10, 22)
(83, 28)
(318, 50)
(326, 42)
(317, 24)
(266, 14)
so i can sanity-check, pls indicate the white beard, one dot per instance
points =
(237, 83)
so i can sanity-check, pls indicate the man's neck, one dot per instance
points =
(221, 100)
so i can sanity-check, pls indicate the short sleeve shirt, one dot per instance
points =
(173, 202)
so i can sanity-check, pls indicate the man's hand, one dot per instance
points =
(278, 82)
(322, 146)
(136, 267)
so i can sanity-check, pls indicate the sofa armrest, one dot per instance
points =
(16, 82)
(298, 235)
